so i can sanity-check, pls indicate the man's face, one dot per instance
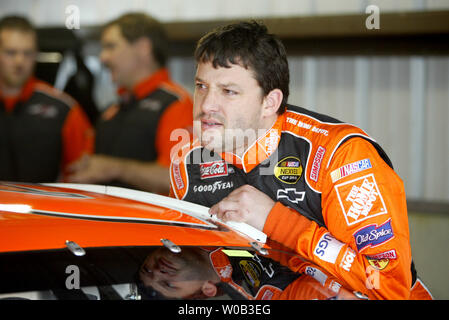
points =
(17, 56)
(120, 56)
(173, 275)
(227, 107)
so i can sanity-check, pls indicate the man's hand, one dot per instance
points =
(245, 204)
(94, 169)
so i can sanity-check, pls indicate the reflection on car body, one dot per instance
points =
(91, 242)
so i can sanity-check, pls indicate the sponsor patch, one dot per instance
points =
(378, 264)
(317, 274)
(217, 185)
(328, 248)
(251, 271)
(213, 169)
(390, 254)
(150, 104)
(43, 110)
(349, 169)
(271, 141)
(177, 176)
(267, 295)
(334, 286)
(291, 194)
(348, 259)
(373, 235)
(316, 164)
(288, 170)
(360, 199)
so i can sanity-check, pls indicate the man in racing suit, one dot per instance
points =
(320, 187)
(42, 130)
(132, 145)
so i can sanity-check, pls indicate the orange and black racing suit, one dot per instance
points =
(140, 125)
(42, 131)
(339, 203)
(256, 277)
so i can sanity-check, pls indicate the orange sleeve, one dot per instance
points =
(77, 137)
(308, 287)
(366, 241)
(178, 115)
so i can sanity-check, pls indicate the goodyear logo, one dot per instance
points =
(288, 170)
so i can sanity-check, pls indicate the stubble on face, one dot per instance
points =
(227, 122)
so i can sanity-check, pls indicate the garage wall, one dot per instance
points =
(402, 102)
(99, 11)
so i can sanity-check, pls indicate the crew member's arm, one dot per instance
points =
(149, 176)
(77, 138)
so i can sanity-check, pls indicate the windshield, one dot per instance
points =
(140, 273)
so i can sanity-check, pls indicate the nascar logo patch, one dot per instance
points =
(349, 169)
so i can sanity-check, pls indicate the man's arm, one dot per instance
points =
(366, 241)
(148, 176)
(77, 137)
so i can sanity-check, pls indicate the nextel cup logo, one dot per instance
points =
(288, 170)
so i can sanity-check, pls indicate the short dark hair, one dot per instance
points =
(250, 45)
(135, 25)
(16, 23)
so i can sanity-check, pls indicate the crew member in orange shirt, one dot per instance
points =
(42, 130)
(133, 137)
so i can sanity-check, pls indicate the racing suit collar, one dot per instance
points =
(149, 84)
(260, 150)
(25, 93)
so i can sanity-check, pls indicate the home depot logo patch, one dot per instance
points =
(360, 199)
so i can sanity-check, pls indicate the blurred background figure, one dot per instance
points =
(132, 146)
(42, 130)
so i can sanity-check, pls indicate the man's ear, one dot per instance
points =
(144, 47)
(272, 102)
(209, 289)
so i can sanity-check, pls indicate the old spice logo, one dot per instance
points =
(373, 235)
(317, 163)
(213, 169)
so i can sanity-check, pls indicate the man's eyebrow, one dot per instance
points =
(229, 84)
(221, 85)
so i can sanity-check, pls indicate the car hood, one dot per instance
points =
(46, 216)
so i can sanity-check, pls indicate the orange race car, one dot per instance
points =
(75, 241)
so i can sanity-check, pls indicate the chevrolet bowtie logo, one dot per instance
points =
(291, 194)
